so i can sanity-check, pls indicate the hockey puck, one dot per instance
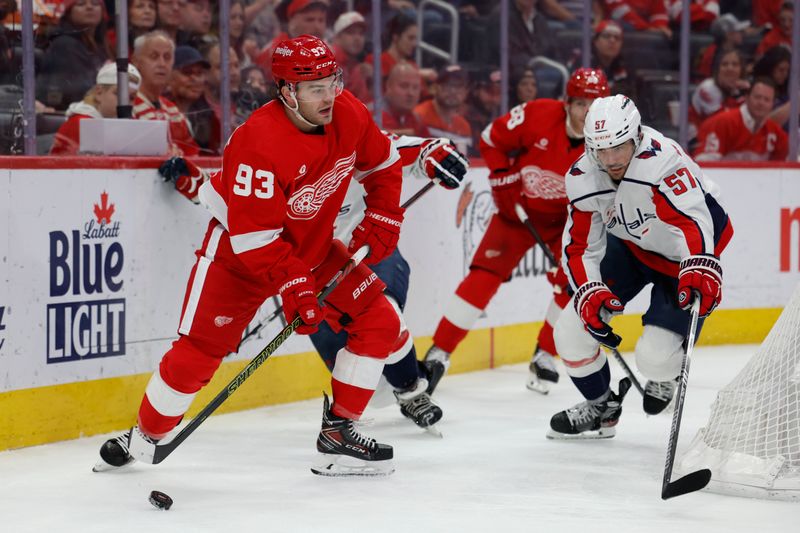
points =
(160, 500)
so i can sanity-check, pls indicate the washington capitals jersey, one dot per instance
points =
(353, 206)
(532, 139)
(664, 209)
(280, 189)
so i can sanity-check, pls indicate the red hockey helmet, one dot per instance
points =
(588, 83)
(303, 58)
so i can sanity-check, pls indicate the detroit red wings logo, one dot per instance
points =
(545, 184)
(305, 203)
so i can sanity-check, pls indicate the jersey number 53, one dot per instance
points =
(263, 188)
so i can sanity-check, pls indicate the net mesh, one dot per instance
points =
(752, 440)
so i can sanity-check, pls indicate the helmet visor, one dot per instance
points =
(319, 90)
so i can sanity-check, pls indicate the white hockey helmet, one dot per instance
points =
(610, 122)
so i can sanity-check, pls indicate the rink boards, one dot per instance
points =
(94, 263)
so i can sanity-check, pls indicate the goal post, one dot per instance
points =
(752, 440)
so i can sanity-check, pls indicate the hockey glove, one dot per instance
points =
(593, 302)
(558, 279)
(439, 160)
(184, 174)
(506, 192)
(380, 230)
(701, 274)
(297, 293)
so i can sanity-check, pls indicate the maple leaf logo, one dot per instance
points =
(103, 211)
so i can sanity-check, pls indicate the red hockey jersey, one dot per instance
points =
(280, 189)
(532, 139)
(733, 135)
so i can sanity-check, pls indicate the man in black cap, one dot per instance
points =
(188, 79)
(443, 114)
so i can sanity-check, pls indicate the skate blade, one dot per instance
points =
(602, 433)
(433, 430)
(333, 465)
(102, 466)
(537, 385)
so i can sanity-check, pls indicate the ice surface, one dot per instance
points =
(493, 471)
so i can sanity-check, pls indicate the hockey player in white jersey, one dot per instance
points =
(641, 213)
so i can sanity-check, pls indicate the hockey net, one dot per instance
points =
(752, 440)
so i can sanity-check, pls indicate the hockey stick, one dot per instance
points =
(626, 368)
(695, 480)
(277, 312)
(523, 217)
(162, 451)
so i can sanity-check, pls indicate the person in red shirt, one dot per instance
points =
(302, 17)
(443, 114)
(100, 102)
(348, 44)
(725, 90)
(401, 96)
(403, 36)
(284, 176)
(728, 33)
(528, 151)
(745, 133)
(642, 15)
(154, 55)
(780, 35)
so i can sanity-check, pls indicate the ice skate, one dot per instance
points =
(114, 453)
(416, 405)
(437, 361)
(590, 419)
(343, 451)
(543, 373)
(658, 395)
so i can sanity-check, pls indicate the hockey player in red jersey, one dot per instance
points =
(528, 151)
(284, 176)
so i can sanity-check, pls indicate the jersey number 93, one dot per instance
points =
(263, 188)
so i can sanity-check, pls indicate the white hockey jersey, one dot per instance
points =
(353, 207)
(664, 209)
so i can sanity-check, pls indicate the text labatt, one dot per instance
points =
(85, 271)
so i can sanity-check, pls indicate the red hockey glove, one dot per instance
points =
(701, 274)
(506, 193)
(592, 301)
(184, 174)
(440, 160)
(297, 293)
(380, 231)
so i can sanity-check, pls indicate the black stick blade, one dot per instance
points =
(688, 483)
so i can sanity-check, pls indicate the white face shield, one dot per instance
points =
(318, 90)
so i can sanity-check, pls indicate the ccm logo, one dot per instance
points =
(363, 286)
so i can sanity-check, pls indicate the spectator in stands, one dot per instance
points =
(348, 46)
(641, 15)
(169, 17)
(483, 105)
(187, 84)
(607, 56)
(236, 30)
(702, 13)
(79, 49)
(728, 33)
(780, 35)
(765, 12)
(402, 36)
(141, 17)
(524, 87)
(301, 17)
(528, 34)
(195, 28)
(401, 95)
(208, 109)
(775, 65)
(100, 102)
(443, 114)
(724, 91)
(153, 55)
(745, 133)
(253, 93)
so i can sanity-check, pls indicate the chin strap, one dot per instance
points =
(296, 109)
(571, 133)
